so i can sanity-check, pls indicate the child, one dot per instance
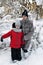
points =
(16, 36)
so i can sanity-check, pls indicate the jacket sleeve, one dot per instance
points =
(23, 39)
(31, 28)
(6, 35)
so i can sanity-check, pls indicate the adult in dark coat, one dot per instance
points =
(28, 30)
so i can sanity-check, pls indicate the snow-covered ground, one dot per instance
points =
(36, 57)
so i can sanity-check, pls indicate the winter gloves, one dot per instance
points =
(25, 50)
(1, 39)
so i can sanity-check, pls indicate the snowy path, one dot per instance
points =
(36, 58)
(5, 58)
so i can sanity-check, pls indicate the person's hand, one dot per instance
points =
(25, 50)
(1, 39)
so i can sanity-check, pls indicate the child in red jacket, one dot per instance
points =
(16, 36)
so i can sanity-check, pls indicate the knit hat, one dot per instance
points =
(17, 22)
(25, 13)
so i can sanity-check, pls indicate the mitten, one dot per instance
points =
(1, 39)
(25, 50)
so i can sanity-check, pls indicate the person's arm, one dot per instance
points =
(23, 45)
(6, 35)
(31, 28)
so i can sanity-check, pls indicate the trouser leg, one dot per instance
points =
(19, 54)
(15, 54)
(27, 44)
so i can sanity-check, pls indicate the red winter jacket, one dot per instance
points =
(16, 38)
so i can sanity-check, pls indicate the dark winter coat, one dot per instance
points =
(16, 38)
(28, 28)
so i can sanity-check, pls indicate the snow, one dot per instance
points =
(36, 56)
(1, 10)
(39, 2)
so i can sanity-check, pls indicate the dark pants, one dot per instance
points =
(16, 54)
(23, 48)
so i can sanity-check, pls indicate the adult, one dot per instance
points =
(28, 29)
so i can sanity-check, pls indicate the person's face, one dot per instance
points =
(24, 17)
